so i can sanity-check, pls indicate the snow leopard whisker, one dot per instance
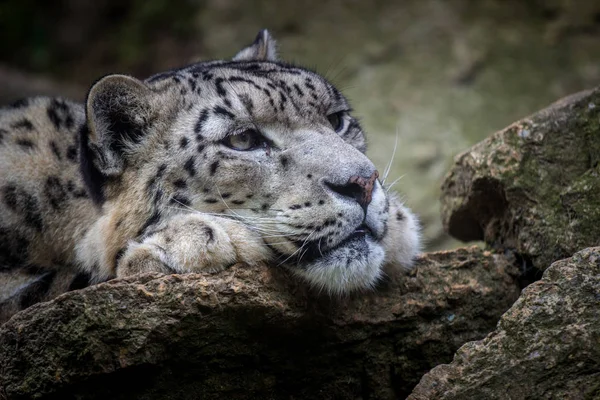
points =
(232, 217)
(391, 162)
(298, 250)
(387, 190)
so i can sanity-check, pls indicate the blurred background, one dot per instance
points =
(442, 75)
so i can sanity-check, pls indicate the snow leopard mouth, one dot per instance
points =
(315, 249)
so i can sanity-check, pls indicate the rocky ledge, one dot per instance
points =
(251, 333)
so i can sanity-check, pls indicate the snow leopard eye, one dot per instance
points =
(336, 120)
(245, 141)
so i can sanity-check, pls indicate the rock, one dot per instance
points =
(547, 346)
(249, 332)
(533, 187)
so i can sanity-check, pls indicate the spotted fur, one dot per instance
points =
(195, 169)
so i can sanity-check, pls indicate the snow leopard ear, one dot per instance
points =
(264, 48)
(120, 111)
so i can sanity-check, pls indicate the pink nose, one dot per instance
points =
(364, 186)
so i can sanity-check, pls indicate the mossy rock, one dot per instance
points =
(533, 187)
(547, 346)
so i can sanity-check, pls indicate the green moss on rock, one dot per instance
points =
(532, 187)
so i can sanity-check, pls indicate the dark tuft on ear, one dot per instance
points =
(119, 113)
(264, 48)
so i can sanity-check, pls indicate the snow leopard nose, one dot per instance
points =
(358, 188)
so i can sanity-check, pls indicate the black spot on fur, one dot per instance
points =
(226, 195)
(200, 123)
(218, 110)
(21, 202)
(80, 194)
(9, 195)
(399, 216)
(152, 182)
(192, 84)
(183, 142)
(240, 79)
(209, 233)
(321, 202)
(25, 143)
(298, 90)
(55, 192)
(55, 150)
(220, 89)
(213, 167)
(238, 202)
(60, 115)
(264, 207)
(210, 201)
(284, 161)
(160, 76)
(309, 176)
(72, 154)
(282, 101)
(200, 148)
(247, 102)
(80, 281)
(23, 124)
(180, 184)
(329, 222)
(180, 200)
(295, 207)
(307, 204)
(189, 166)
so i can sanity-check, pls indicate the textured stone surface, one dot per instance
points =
(547, 346)
(251, 333)
(533, 187)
